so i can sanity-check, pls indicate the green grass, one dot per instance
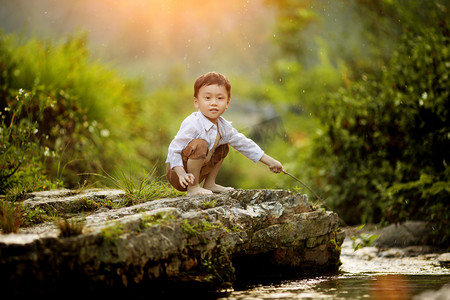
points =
(147, 188)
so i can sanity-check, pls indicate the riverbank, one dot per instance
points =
(410, 260)
(368, 273)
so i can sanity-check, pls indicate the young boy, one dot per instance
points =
(200, 146)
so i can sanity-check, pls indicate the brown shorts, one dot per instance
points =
(197, 149)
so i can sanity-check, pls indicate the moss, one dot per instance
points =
(38, 215)
(204, 226)
(156, 219)
(215, 268)
(111, 234)
(85, 204)
(335, 254)
(220, 268)
(209, 203)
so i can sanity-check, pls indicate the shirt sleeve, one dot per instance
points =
(186, 134)
(245, 146)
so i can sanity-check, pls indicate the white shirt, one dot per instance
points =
(197, 126)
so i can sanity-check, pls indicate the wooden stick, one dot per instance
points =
(320, 199)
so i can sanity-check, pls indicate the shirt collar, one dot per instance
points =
(224, 125)
(207, 124)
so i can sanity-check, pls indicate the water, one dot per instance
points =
(363, 275)
(344, 286)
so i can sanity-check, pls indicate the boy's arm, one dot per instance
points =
(185, 178)
(274, 165)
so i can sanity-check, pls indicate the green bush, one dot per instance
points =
(71, 104)
(65, 116)
(384, 150)
(22, 153)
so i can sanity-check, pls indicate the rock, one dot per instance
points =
(392, 253)
(207, 242)
(366, 253)
(410, 233)
(444, 259)
(441, 294)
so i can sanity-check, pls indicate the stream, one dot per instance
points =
(364, 274)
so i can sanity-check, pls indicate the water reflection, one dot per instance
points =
(345, 286)
(390, 287)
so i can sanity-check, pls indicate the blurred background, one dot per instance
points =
(351, 96)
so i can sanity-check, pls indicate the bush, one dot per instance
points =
(384, 150)
(66, 102)
(65, 116)
(22, 153)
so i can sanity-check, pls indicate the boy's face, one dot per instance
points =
(212, 101)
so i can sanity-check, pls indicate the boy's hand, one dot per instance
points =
(187, 179)
(274, 165)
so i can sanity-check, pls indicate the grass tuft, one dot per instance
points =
(69, 228)
(11, 216)
(150, 187)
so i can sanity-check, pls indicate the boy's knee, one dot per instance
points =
(224, 149)
(196, 149)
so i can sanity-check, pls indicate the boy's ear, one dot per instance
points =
(196, 102)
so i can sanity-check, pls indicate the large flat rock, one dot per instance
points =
(202, 241)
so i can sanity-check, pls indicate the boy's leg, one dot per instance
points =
(213, 168)
(193, 159)
(194, 166)
(197, 149)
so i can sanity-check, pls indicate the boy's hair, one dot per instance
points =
(210, 79)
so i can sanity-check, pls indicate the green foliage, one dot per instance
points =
(380, 150)
(85, 204)
(293, 18)
(209, 203)
(140, 190)
(65, 116)
(108, 203)
(37, 215)
(363, 239)
(384, 151)
(76, 116)
(22, 155)
(63, 104)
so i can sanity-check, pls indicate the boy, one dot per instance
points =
(200, 146)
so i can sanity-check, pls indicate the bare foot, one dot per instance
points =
(197, 190)
(215, 188)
